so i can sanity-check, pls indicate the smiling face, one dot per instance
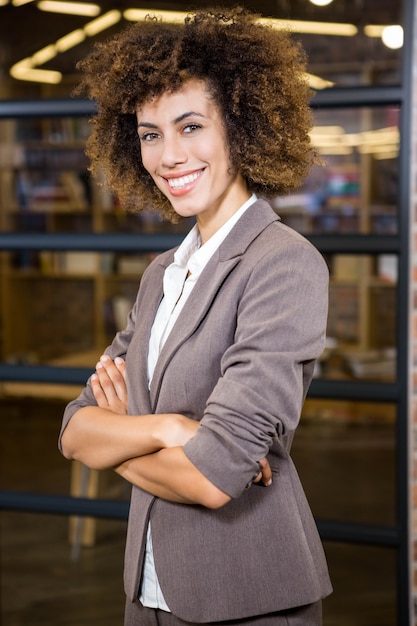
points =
(184, 148)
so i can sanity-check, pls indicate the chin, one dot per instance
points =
(185, 211)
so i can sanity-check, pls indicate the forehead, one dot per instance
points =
(193, 96)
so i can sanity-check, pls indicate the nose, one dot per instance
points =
(173, 151)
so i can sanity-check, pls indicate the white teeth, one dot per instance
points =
(181, 181)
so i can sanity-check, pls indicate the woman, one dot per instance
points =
(197, 401)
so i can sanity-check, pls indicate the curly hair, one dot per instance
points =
(255, 74)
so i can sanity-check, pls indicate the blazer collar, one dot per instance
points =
(250, 225)
(258, 216)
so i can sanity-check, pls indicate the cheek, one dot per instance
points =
(217, 156)
(149, 156)
(222, 151)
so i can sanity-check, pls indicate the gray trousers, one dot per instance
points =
(309, 615)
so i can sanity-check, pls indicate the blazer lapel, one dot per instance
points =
(250, 225)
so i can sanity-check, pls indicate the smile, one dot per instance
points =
(181, 182)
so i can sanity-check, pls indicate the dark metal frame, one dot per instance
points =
(391, 537)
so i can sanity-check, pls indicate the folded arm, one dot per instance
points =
(145, 449)
(104, 436)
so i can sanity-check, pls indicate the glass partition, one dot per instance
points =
(45, 188)
(355, 189)
(357, 440)
(368, 596)
(361, 327)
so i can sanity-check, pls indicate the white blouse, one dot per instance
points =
(179, 279)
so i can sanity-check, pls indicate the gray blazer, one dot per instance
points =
(240, 358)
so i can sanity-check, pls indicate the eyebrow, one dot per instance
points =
(178, 119)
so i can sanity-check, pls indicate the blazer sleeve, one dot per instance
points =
(265, 374)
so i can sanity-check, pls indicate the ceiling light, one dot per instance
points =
(313, 28)
(321, 3)
(373, 30)
(173, 17)
(316, 82)
(69, 8)
(334, 140)
(102, 22)
(42, 76)
(335, 150)
(3, 3)
(23, 70)
(393, 37)
(296, 26)
(18, 3)
(382, 136)
(44, 55)
(70, 40)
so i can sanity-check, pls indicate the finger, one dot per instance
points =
(105, 392)
(257, 477)
(98, 392)
(265, 475)
(121, 366)
(266, 472)
(116, 375)
(106, 383)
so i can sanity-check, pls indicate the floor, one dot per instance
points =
(348, 472)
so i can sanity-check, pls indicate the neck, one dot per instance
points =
(208, 225)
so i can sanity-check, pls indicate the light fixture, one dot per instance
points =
(69, 8)
(373, 30)
(24, 70)
(173, 17)
(316, 82)
(44, 55)
(334, 140)
(313, 28)
(335, 150)
(18, 3)
(70, 40)
(321, 3)
(393, 36)
(296, 26)
(102, 22)
(381, 137)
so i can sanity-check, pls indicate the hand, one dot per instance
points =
(265, 475)
(109, 384)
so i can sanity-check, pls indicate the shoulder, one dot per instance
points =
(280, 245)
(160, 260)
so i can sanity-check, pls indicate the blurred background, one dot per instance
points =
(71, 260)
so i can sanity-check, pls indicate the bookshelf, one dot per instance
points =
(354, 194)
(57, 305)
(62, 305)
